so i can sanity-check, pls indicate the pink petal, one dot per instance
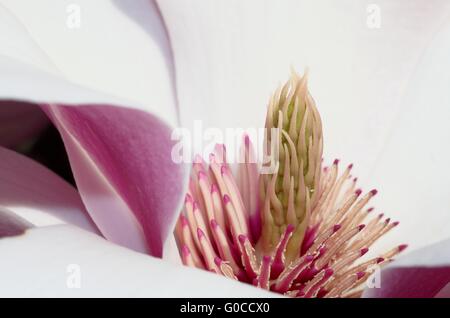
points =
(422, 273)
(19, 122)
(121, 159)
(30, 190)
(11, 224)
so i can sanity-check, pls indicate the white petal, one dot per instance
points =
(109, 53)
(49, 261)
(39, 195)
(231, 54)
(413, 172)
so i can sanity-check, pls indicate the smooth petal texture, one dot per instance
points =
(422, 273)
(231, 55)
(74, 258)
(93, 154)
(19, 123)
(412, 172)
(11, 224)
(38, 195)
(108, 50)
(121, 159)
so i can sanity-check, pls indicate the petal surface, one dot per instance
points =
(231, 55)
(38, 195)
(11, 224)
(75, 263)
(422, 273)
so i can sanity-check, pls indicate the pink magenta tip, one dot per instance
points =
(200, 233)
(188, 198)
(290, 228)
(402, 247)
(387, 220)
(325, 169)
(380, 260)
(267, 259)
(396, 223)
(214, 224)
(374, 191)
(336, 227)
(309, 258)
(226, 198)
(369, 210)
(364, 251)
(355, 179)
(201, 175)
(380, 215)
(350, 166)
(214, 188)
(360, 275)
(218, 261)
(242, 238)
(328, 272)
(246, 140)
(336, 161)
(185, 250)
(361, 226)
(195, 206)
(183, 220)
(358, 192)
(223, 169)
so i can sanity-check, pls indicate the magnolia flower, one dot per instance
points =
(117, 80)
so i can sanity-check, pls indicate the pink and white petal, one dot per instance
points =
(422, 273)
(230, 55)
(12, 224)
(128, 153)
(93, 159)
(109, 52)
(38, 195)
(69, 262)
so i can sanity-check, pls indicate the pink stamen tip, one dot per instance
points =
(218, 261)
(336, 161)
(361, 226)
(370, 210)
(380, 260)
(223, 169)
(246, 140)
(309, 258)
(387, 220)
(364, 251)
(336, 227)
(200, 233)
(183, 220)
(396, 223)
(374, 191)
(226, 199)
(290, 228)
(214, 224)
(350, 166)
(328, 272)
(402, 247)
(185, 251)
(267, 259)
(214, 188)
(188, 198)
(380, 215)
(358, 192)
(355, 179)
(325, 169)
(360, 275)
(242, 238)
(195, 206)
(201, 175)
